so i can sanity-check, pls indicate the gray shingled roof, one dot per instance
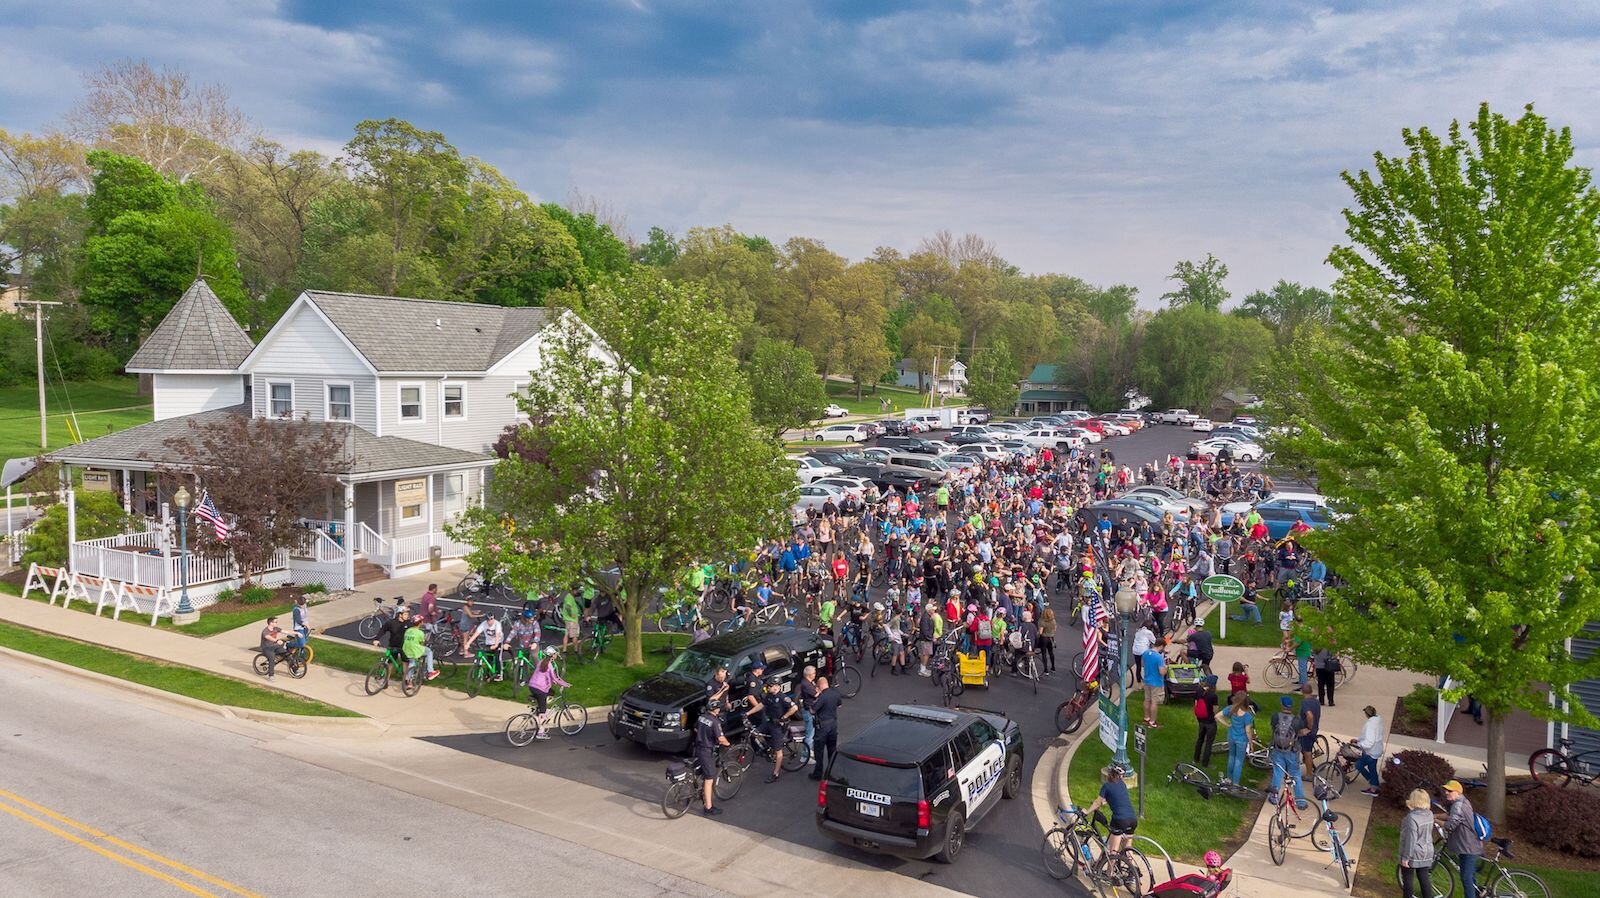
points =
(198, 334)
(147, 445)
(399, 334)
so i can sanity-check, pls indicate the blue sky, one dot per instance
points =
(1105, 139)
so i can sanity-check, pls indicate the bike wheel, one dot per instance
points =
(410, 682)
(1344, 862)
(1077, 665)
(1277, 840)
(1520, 884)
(1030, 669)
(675, 803)
(297, 666)
(476, 677)
(521, 729)
(1332, 778)
(878, 576)
(795, 756)
(717, 602)
(1443, 876)
(377, 679)
(729, 779)
(261, 665)
(740, 754)
(849, 684)
(1321, 750)
(1550, 767)
(1139, 874)
(1278, 674)
(1059, 852)
(1069, 716)
(369, 627)
(1188, 773)
(1343, 827)
(571, 717)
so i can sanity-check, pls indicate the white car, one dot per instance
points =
(877, 454)
(1202, 425)
(962, 462)
(811, 470)
(850, 433)
(1006, 427)
(1084, 433)
(1242, 451)
(835, 411)
(1176, 416)
(941, 448)
(814, 495)
(986, 451)
(1167, 498)
(859, 487)
(1112, 428)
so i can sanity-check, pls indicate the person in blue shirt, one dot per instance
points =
(1114, 797)
(1155, 673)
(802, 551)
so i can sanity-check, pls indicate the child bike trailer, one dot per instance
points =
(1184, 681)
(1192, 885)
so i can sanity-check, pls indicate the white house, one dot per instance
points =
(418, 389)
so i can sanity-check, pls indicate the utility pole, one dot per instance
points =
(38, 348)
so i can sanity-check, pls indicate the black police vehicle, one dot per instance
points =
(917, 778)
(660, 712)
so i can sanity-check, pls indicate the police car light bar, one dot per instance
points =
(922, 712)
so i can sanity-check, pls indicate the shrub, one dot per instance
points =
(1565, 820)
(1421, 703)
(312, 588)
(256, 595)
(98, 515)
(227, 595)
(1417, 769)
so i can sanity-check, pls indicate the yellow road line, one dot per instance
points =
(126, 846)
(85, 843)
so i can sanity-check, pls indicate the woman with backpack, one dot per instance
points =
(1205, 715)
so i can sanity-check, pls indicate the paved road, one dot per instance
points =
(131, 793)
(1002, 854)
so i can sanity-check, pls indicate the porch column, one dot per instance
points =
(428, 498)
(127, 491)
(349, 535)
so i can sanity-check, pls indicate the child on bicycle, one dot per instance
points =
(544, 678)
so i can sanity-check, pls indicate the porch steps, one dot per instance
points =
(367, 572)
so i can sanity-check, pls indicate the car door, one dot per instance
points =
(982, 775)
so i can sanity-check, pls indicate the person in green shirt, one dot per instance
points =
(997, 626)
(829, 608)
(1302, 654)
(571, 614)
(414, 646)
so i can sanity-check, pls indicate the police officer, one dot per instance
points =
(779, 709)
(826, 711)
(754, 691)
(708, 737)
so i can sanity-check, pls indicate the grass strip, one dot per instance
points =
(161, 675)
(594, 682)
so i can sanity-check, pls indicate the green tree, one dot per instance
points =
(737, 271)
(147, 236)
(992, 379)
(658, 250)
(925, 340)
(98, 515)
(653, 461)
(602, 251)
(1199, 284)
(1452, 412)
(1288, 309)
(1191, 356)
(785, 391)
(1101, 362)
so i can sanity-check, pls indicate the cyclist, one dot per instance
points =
(1459, 828)
(300, 621)
(603, 610)
(415, 648)
(1114, 796)
(708, 736)
(494, 638)
(1213, 868)
(571, 615)
(544, 678)
(467, 619)
(393, 634)
(780, 709)
(525, 632)
(272, 640)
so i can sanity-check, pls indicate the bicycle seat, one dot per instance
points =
(1505, 847)
(1330, 816)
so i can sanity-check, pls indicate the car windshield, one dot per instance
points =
(695, 664)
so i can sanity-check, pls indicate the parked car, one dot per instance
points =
(1202, 425)
(1167, 497)
(1049, 437)
(908, 444)
(811, 469)
(875, 428)
(968, 438)
(987, 451)
(1114, 428)
(1177, 416)
(1246, 420)
(850, 433)
(877, 455)
(1019, 448)
(1280, 517)
(861, 487)
(834, 411)
(660, 712)
(977, 415)
(838, 456)
(961, 461)
(897, 427)
(1005, 427)
(924, 466)
(1092, 436)
(1282, 497)
(1130, 512)
(814, 495)
(1238, 450)
(915, 780)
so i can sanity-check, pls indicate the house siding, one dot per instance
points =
(311, 396)
(489, 409)
(176, 395)
(1583, 648)
(304, 349)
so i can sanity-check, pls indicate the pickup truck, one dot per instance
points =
(1178, 416)
(1053, 439)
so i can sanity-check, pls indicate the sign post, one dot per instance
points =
(1222, 589)
(1138, 746)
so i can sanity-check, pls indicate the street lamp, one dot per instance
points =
(185, 611)
(1127, 603)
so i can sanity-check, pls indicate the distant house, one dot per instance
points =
(9, 295)
(1232, 403)
(952, 383)
(1042, 395)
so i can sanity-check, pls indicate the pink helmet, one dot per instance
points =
(1213, 859)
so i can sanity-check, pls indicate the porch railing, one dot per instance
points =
(367, 542)
(139, 568)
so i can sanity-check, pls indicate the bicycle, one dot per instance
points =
(295, 658)
(1075, 844)
(484, 668)
(378, 678)
(1281, 671)
(843, 677)
(1560, 766)
(1287, 822)
(676, 617)
(1494, 878)
(685, 782)
(520, 668)
(598, 640)
(1024, 664)
(1069, 714)
(1336, 829)
(374, 622)
(796, 753)
(1190, 775)
(570, 717)
(1339, 770)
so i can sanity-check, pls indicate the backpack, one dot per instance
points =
(1200, 709)
(1283, 731)
(1015, 640)
(985, 630)
(1482, 826)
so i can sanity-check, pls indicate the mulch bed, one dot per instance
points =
(282, 595)
(1405, 726)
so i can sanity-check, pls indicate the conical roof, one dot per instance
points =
(197, 335)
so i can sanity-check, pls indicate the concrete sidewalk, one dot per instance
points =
(431, 711)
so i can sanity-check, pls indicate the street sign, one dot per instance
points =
(1138, 739)
(1110, 734)
(1138, 746)
(1222, 588)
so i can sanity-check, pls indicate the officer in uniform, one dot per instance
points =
(780, 709)
(708, 737)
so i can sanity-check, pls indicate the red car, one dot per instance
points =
(1091, 424)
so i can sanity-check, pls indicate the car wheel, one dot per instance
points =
(849, 439)
(955, 837)
(1012, 785)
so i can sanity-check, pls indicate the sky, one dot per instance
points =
(1106, 140)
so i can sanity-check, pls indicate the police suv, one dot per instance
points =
(917, 778)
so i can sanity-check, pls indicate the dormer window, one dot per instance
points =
(280, 399)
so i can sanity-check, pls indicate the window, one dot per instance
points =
(455, 401)
(280, 400)
(519, 391)
(964, 749)
(411, 512)
(339, 402)
(411, 402)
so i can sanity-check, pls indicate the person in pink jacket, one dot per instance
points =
(545, 677)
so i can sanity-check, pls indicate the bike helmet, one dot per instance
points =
(1213, 859)
(877, 606)
(774, 681)
(527, 613)
(714, 705)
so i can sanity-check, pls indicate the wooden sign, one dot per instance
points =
(410, 492)
(96, 481)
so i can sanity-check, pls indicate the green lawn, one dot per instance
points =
(594, 683)
(1263, 635)
(1174, 814)
(844, 394)
(209, 624)
(1375, 876)
(161, 675)
(102, 407)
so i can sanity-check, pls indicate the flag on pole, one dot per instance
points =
(207, 512)
(1091, 639)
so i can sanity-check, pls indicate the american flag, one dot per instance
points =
(1092, 615)
(207, 512)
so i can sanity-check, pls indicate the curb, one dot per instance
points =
(226, 712)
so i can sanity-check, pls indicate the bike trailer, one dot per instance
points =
(1192, 885)
(1184, 681)
(974, 668)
